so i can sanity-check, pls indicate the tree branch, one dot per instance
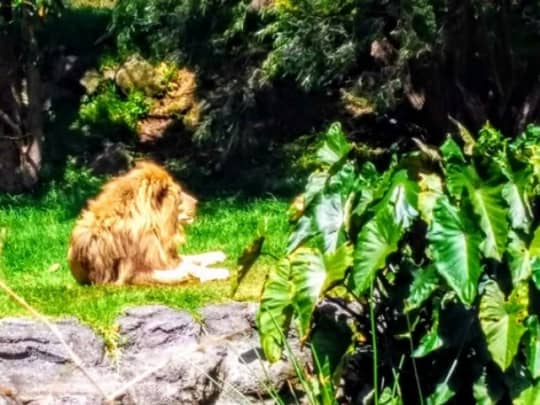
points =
(4, 117)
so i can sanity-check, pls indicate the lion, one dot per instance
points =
(130, 233)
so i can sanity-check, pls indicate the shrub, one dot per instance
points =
(314, 41)
(190, 30)
(109, 110)
(442, 244)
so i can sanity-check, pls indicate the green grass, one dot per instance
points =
(38, 229)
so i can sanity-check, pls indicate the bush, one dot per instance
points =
(314, 41)
(442, 245)
(109, 110)
(186, 31)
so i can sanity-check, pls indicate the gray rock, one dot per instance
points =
(28, 341)
(188, 377)
(145, 328)
(246, 369)
(218, 361)
(138, 74)
(35, 365)
(114, 158)
(236, 318)
(162, 339)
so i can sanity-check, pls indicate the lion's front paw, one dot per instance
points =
(207, 274)
(207, 259)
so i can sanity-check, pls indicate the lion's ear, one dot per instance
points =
(159, 193)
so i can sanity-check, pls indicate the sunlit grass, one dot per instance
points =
(90, 3)
(34, 257)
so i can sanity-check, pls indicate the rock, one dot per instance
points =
(153, 128)
(34, 364)
(178, 101)
(139, 74)
(245, 367)
(91, 81)
(144, 329)
(383, 51)
(235, 318)
(185, 376)
(157, 337)
(180, 96)
(178, 360)
(114, 158)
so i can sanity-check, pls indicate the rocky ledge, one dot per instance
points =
(165, 356)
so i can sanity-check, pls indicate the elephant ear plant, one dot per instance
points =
(442, 246)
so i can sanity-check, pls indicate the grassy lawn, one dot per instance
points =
(34, 261)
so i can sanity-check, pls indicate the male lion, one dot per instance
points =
(129, 234)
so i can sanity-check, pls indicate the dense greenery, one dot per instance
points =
(109, 110)
(442, 244)
(423, 58)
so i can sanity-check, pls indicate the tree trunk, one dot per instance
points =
(21, 123)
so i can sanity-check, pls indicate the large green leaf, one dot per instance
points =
(302, 232)
(529, 396)
(429, 343)
(442, 394)
(490, 206)
(451, 152)
(487, 202)
(519, 211)
(456, 179)
(308, 277)
(312, 274)
(534, 247)
(425, 282)
(455, 247)
(533, 346)
(335, 146)
(502, 321)
(468, 140)
(337, 264)
(329, 216)
(377, 239)
(343, 181)
(275, 312)
(402, 197)
(430, 190)
(315, 185)
(487, 390)
(519, 259)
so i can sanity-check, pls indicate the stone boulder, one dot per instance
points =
(165, 355)
(35, 367)
(137, 73)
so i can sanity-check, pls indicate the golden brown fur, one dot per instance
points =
(129, 234)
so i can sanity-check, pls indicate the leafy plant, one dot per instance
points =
(110, 108)
(444, 246)
(314, 41)
(190, 30)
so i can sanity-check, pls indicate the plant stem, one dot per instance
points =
(416, 376)
(374, 345)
